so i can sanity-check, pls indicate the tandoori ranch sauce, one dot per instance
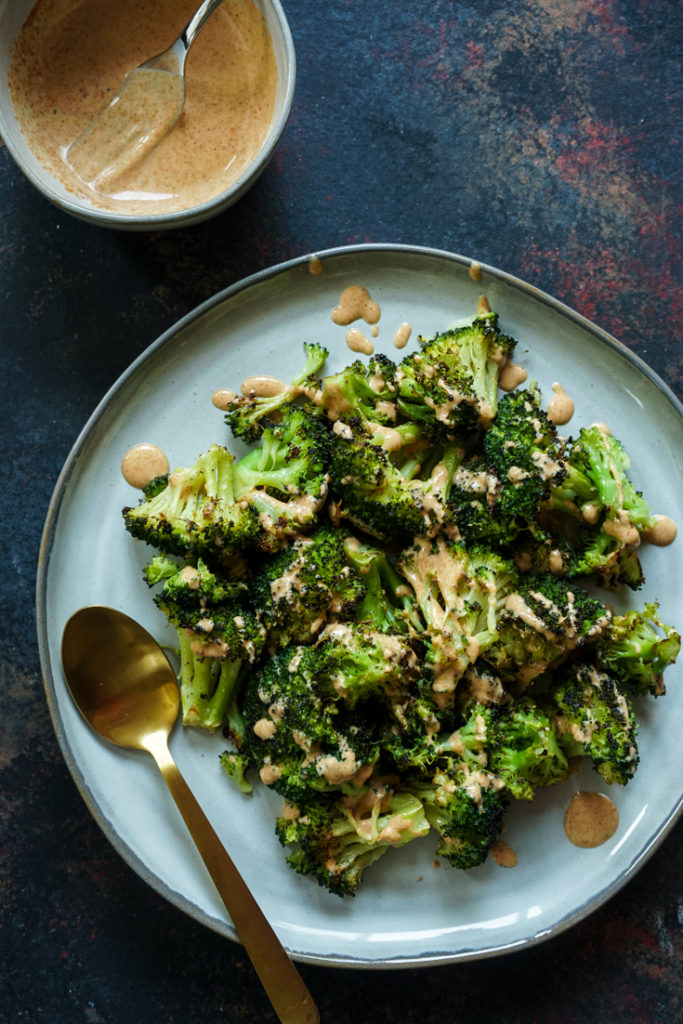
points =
(591, 819)
(356, 303)
(142, 463)
(503, 854)
(71, 56)
(560, 406)
(662, 532)
(402, 334)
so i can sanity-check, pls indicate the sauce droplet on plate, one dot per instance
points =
(511, 376)
(262, 385)
(401, 335)
(503, 854)
(142, 463)
(591, 819)
(357, 342)
(222, 398)
(662, 532)
(355, 304)
(560, 406)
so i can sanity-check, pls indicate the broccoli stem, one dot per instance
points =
(207, 685)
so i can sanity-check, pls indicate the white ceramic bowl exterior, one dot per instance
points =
(13, 14)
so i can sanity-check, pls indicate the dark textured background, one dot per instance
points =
(539, 137)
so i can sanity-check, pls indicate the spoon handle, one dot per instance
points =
(282, 982)
(197, 21)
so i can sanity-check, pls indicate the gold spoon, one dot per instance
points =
(124, 686)
(143, 110)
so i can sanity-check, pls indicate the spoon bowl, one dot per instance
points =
(125, 687)
(119, 678)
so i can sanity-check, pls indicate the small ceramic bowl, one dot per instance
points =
(13, 14)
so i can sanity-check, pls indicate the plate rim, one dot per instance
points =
(180, 901)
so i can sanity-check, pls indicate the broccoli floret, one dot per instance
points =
(155, 486)
(362, 390)
(636, 648)
(595, 719)
(466, 806)
(335, 840)
(544, 618)
(452, 383)
(472, 495)
(284, 480)
(235, 766)
(370, 491)
(523, 749)
(305, 585)
(194, 584)
(459, 593)
(598, 493)
(538, 549)
(525, 451)
(218, 637)
(248, 415)
(500, 491)
(607, 557)
(597, 482)
(296, 734)
(366, 394)
(197, 512)
(417, 731)
(357, 663)
(386, 605)
(523, 446)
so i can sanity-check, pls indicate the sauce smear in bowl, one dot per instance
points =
(71, 56)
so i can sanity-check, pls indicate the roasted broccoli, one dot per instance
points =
(452, 383)
(636, 648)
(598, 492)
(284, 480)
(595, 719)
(219, 637)
(544, 618)
(459, 593)
(220, 506)
(303, 586)
(387, 604)
(358, 663)
(465, 805)
(500, 490)
(336, 838)
(370, 491)
(197, 511)
(248, 415)
(523, 748)
(297, 734)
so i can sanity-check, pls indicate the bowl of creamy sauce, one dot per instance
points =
(63, 61)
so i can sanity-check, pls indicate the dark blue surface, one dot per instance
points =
(537, 137)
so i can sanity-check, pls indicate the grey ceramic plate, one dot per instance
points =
(407, 912)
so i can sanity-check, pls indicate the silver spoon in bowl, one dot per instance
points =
(144, 109)
(125, 687)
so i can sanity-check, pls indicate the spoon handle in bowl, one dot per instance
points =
(282, 982)
(198, 19)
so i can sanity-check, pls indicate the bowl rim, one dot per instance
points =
(188, 215)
